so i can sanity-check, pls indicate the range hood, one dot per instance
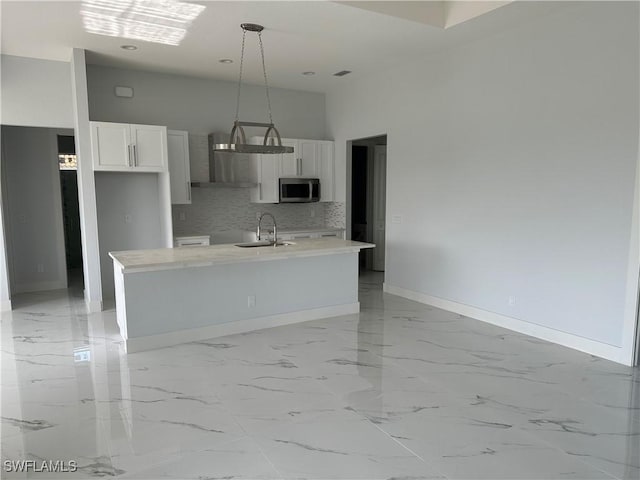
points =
(226, 169)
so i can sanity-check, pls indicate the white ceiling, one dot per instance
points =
(320, 36)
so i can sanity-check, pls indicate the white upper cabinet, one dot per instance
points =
(289, 162)
(310, 159)
(264, 170)
(302, 162)
(149, 144)
(122, 147)
(179, 168)
(326, 171)
(111, 146)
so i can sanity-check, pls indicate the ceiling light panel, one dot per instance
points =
(158, 21)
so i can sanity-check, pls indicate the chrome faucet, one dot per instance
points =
(275, 228)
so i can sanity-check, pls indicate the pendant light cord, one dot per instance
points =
(264, 71)
(244, 35)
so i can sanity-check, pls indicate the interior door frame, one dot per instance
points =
(369, 142)
(378, 201)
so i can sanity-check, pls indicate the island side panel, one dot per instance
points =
(161, 302)
(121, 301)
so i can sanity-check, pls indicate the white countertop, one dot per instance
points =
(173, 258)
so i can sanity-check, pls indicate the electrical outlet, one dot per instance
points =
(40, 268)
(182, 216)
(512, 301)
(312, 212)
(258, 215)
(396, 219)
(251, 301)
(127, 218)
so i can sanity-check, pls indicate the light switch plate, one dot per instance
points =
(396, 219)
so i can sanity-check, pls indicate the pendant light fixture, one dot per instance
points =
(272, 143)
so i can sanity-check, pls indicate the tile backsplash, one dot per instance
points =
(220, 209)
(335, 214)
(226, 209)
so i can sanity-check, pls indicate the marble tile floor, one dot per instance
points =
(399, 391)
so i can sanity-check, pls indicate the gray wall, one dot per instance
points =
(118, 195)
(511, 162)
(35, 92)
(32, 208)
(199, 105)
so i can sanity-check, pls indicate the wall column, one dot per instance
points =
(86, 183)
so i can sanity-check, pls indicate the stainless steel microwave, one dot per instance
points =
(299, 190)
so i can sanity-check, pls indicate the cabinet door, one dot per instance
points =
(300, 236)
(179, 170)
(267, 168)
(149, 148)
(290, 163)
(337, 234)
(111, 146)
(308, 155)
(326, 171)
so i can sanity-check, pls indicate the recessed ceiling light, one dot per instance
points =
(342, 73)
(225, 60)
(156, 21)
(308, 74)
(128, 47)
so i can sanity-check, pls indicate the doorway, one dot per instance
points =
(368, 199)
(32, 203)
(67, 163)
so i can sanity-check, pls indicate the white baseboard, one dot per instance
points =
(139, 344)
(5, 306)
(592, 347)
(93, 306)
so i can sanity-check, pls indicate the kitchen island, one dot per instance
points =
(176, 295)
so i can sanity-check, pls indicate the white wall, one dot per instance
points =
(33, 208)
(117, 195)
(35, 92)
(512, 163)
(86, 183)
(5, 293)
(200, 105)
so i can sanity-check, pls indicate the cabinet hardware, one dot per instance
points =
(189, 190)
(135, 156)
(130, 156)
